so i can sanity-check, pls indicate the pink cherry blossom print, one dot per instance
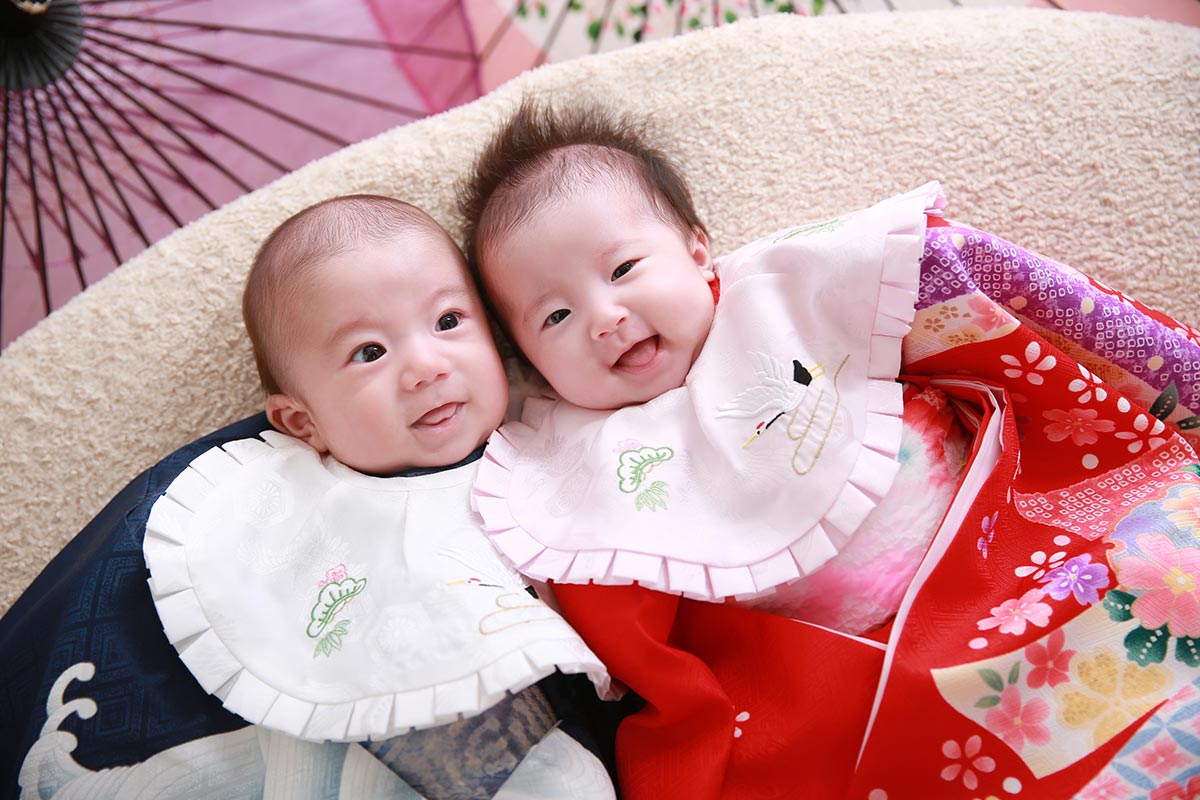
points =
(1171, 578)
(1011, 616)
(1051, 663)
(1016, 722)
(1080, 424)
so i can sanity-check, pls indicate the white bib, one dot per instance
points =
(765, 462)
(329, 604)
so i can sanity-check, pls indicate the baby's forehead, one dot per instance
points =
(562, 176)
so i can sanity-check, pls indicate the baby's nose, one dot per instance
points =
(607, 320)
(422, 366)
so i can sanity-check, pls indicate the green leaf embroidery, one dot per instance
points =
(818, 6)
(730, 16)
(634, 465)
(332, 599)
(333, 639)
(1193, 468)
(992, 679)
(1014, 673)
(1188, 423)
(594, 30)
(988, 701)
(1118, 605)
(1146, 646)
(1166, 401)
(522, 10)
(1187, 651)
(654, 497)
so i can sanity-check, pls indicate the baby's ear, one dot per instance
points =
(290, 416)
(701, 254)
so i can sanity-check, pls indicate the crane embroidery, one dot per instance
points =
(783, 392)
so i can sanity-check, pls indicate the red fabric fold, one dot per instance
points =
(739, 703)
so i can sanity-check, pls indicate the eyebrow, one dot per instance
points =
(442, 295)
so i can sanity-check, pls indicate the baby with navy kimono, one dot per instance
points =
(333, 582)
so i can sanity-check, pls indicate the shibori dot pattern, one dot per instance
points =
(1120, 339)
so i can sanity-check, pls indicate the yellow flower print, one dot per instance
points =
(1107, 693)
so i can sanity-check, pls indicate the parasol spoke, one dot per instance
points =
(107, 234)
(137, 129)
(266, 73)
(408, 49)
(130, 217)
(605, 21)
(274, 112)
(106, 102)
(62, 201)
(37, 218)
(3, 205)
(209, 125)
(52, 213)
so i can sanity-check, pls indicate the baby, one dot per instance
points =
(340, 566)
(749, 405)
(589, 249)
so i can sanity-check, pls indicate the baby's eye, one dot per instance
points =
(557, 317)
(449, 320)
(368, 353)
(621, 270)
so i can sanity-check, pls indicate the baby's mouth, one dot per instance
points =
(437, 416)
(639, 355)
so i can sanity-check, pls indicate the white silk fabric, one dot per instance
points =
(329, 604)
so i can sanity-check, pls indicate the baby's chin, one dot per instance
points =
(626, 394)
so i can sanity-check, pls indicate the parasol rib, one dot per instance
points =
(62, 202)
(266, 73)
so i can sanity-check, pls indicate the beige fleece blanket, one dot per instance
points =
(1047, 128)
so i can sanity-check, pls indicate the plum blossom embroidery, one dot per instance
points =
(1032, 365)
(335, 574)
(1015, 722)
(1011, 616)
(1080, 424)
(965, 760)
(1078, 577)
(1051, 663)
(1170, 577)
(1089, 385)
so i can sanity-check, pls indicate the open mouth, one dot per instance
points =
(439, 416)
(639, 356)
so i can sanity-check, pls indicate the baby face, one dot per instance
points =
(392, 363)
(607, 301)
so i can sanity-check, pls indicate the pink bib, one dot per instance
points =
(757, 470)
